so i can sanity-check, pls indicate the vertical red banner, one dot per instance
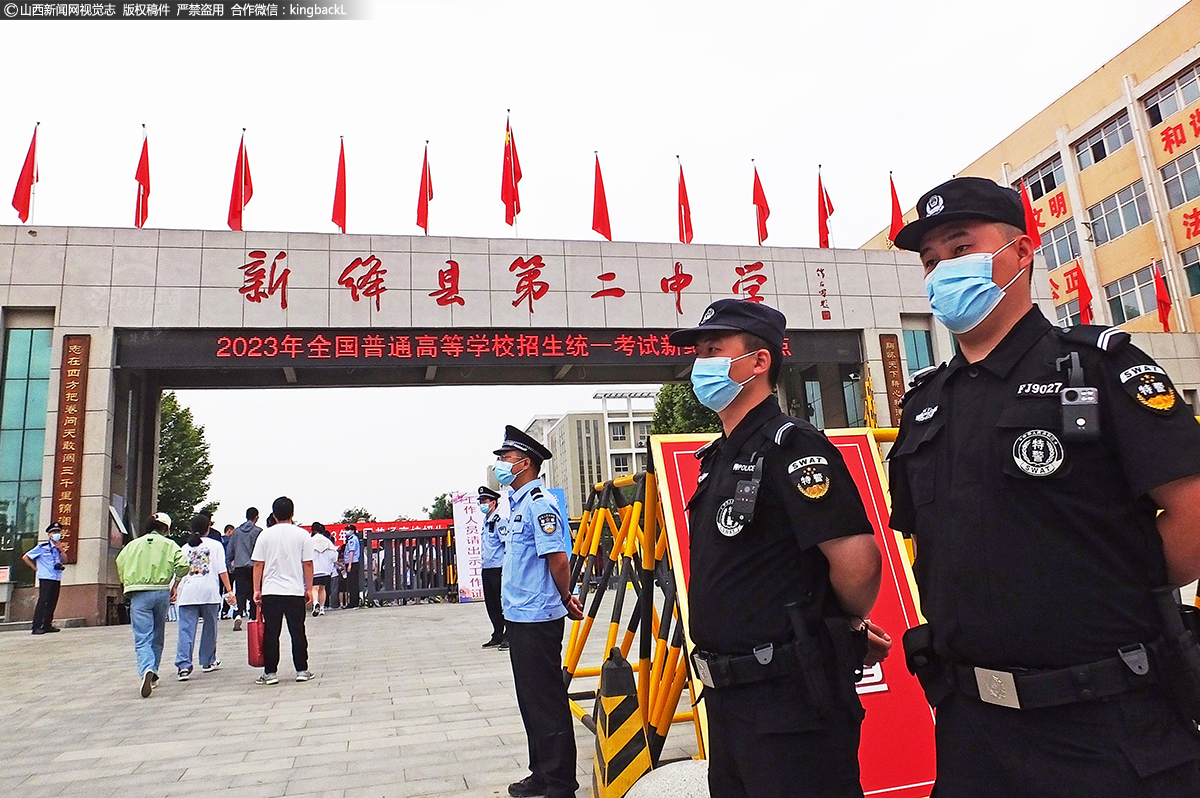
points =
(68, 441)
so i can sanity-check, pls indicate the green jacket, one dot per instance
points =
(150, 562)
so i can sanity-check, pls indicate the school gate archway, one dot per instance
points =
(98, 321)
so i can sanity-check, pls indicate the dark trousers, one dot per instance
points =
(355, 586)
(535, 650)
(767, 741)
(275, 609)
(1135, 746)
(491, 598)
(43, 613)
(243, 586)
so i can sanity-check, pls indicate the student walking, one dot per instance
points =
(198, 597)
(146, 567)
(324, 564)
(283, 576)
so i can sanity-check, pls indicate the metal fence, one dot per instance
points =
(409, 564)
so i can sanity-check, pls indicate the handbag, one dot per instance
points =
(254, 639)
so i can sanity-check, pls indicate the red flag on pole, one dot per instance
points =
(761, 210)
(600, 206)
(824, 211)
(512, 175)
(1085, 297)
(1162, 298)
(23, 196)
(426, 193)
(897, 214)
(243, 187)
(142, 176)
(1031, 219)
(685, 210)
(339, 189)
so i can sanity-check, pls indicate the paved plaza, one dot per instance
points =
(404, 703)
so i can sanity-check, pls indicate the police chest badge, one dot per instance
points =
(726, 525)
(1150, 387)
(1038, 453)
(548, 522)
(811, 477)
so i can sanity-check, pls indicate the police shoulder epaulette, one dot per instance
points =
(781, 431)
(922, 375)
(699, 453)
(536, 493)
(1107, 339)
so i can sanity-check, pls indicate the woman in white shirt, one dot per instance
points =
(198, 595)
(324, 563)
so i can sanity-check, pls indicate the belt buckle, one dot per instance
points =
(997, 687)
(702, 671)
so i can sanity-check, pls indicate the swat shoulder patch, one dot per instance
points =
(810, 475)
(548, 522)
(1107, 339)
(1150, 387)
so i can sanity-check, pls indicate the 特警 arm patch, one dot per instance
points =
(548, 522)
(811, 476)
(1150, 387)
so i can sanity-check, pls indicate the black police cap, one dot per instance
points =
(958, 199)
(737, 315)
(487, 493)
(516, 440)
(55, 527)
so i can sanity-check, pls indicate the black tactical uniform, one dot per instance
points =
(795, 730)
(1036, 553)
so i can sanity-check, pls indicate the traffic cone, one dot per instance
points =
(622, 749)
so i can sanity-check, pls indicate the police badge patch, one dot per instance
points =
(725, 523)
(1038, 453)
(1150, 387)
(548, 522)
(811, 476)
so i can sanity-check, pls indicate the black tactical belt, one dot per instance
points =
(767, 662)
(1130, 670)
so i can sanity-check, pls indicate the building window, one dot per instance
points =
(1046, 178)
(618, 432)
(641, 431)
(1120, 213)
(1132, 295)
(918, 350)
(1181, 178)
(812, 396)
(1104, 141)
(1060, 244)
(1183, 90)
(1191, 267)
(1068, 314)
(23, 394)
(620, 464)
(641, 463)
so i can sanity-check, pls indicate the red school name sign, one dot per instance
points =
(896, 753)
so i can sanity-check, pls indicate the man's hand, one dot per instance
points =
(258, 597)
(574, 608)
(879, 643)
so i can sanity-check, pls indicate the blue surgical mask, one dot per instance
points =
(962, 292)
(504, 473)
(56, 536)
(712, 383)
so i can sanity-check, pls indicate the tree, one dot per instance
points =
(677, 410)
(183, 465)
(441, 509)
(356, 514)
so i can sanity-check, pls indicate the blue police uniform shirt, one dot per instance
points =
(536, 527)
(353, 549)
(46, 555)
(494, 539)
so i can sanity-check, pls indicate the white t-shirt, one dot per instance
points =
(202, 583)
(283, 549)
(324, 556)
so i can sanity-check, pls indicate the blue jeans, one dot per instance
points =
(189, 615)
(148, 617)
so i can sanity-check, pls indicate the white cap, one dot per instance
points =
(163, 518)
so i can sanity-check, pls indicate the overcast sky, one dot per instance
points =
(919, 88)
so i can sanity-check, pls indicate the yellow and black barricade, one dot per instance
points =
(622, 749)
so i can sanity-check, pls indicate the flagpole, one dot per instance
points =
(242, 182)
(425, 188)
(757, 210)
(141, 198)
(33, 186)
(512, 171)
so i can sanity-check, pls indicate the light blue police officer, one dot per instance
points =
(47, 559)
(494, 537)
(536, 597)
